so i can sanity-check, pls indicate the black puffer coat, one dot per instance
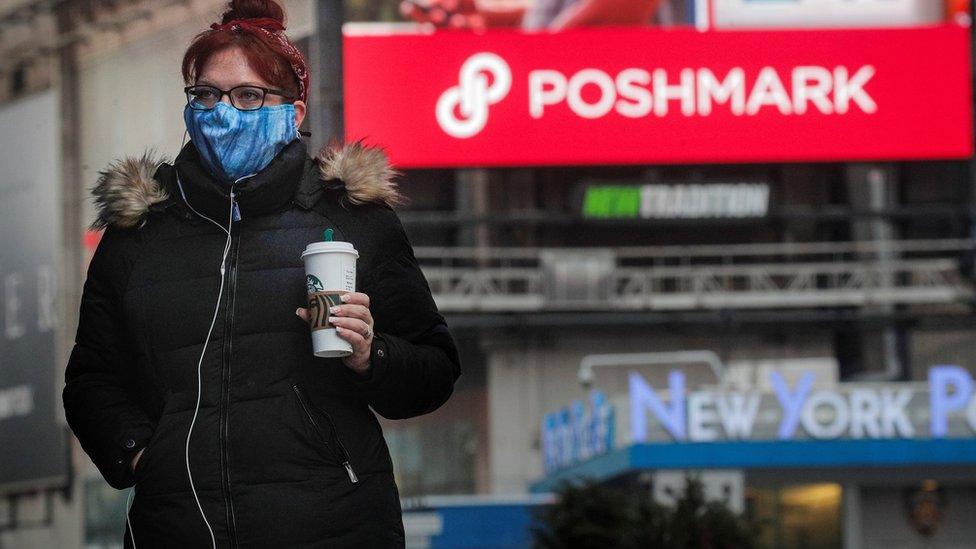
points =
(275, 423)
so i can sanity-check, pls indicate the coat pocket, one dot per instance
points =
(137, 472)
(311, 412)
(146, 452)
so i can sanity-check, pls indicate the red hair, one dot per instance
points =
(275, 59)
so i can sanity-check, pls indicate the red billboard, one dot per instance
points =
(641, 95)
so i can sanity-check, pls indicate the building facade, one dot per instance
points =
(662, 256)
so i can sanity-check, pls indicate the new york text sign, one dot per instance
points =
(644, 95)
(945, 408)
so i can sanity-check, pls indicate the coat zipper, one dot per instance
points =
(343, 454)
(225, 389)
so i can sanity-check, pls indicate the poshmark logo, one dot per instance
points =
(462, 110)
(473, 95)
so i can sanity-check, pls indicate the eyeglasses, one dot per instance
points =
(244, 98)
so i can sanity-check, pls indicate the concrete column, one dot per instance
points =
(511, 385)
(326, 97)
(851, 516)
(471, 199)
(872, 188)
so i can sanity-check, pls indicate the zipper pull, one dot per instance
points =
(349, 471)
(237, 210)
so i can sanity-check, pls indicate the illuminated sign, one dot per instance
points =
(575, 434)
(505, 97)
(654, 201)
(946, 407)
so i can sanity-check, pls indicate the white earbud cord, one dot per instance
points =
(213, 321)
(206, 342)
(128, 522)
(220, 293)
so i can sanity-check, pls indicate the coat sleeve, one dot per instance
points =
(414, 358)
(99, 397)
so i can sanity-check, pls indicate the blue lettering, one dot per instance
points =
(940, 401)
(792, 403)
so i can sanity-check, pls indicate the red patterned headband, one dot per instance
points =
(273, 29)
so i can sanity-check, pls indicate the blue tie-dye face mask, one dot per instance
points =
(233, 143)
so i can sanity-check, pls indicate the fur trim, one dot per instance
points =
(125, 190)
(364, 170)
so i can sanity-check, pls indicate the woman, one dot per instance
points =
(232, 432)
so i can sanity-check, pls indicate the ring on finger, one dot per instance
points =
(369, 332)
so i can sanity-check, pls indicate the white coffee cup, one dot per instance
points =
(330, 271)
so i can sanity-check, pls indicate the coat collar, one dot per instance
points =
(268, 191)
(130, 187)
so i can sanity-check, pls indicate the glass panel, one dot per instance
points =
(803, 516)
(104, 515)
(811, 516)
(436, 458)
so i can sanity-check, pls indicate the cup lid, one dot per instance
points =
(334, 246)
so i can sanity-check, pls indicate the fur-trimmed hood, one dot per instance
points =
(126, 189)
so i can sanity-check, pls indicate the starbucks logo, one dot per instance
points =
(313, 284)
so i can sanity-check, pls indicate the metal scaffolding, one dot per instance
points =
(752, 276)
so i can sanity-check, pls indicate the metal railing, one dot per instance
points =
(823, 274)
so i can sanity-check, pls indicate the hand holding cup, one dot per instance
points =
(354, 323)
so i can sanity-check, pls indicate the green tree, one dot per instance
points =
(588, 515)
(698, 524)
(651, 521)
